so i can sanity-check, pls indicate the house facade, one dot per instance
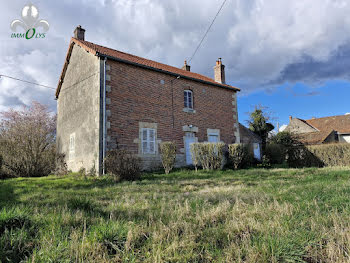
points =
(321, 130)
(108, 99)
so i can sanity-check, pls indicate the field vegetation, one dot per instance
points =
(253, 215)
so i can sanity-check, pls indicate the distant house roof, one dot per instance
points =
(340, 123)
(247, 136)
(317, 137)
(323, 129)
(135, 60)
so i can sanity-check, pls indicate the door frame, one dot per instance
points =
(195, 139)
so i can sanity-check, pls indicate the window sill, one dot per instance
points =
(148, 155)
(189, 110)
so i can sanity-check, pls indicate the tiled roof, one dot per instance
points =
(339, 123)
(100, 50)
(313, 137)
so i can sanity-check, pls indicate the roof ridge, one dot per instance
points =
(328, 117)
(129, 54)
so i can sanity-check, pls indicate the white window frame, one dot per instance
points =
(214, 134)
(72, 146)
(148, 141)
(188, 103)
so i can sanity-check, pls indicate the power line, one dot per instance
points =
(76, 83)
(27, 82)
(200, 43)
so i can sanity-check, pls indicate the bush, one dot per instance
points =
(195, 154)
(276, 153)
(120, 163)
(337, 154)
(61, 165)
(284, 138)
(92, 171)
(209, 155)
(300, 156)
(265, 162)
(241, 155)
(168, 155)
(82, 172)
(27, 141)
(332, 154)
(216, 155)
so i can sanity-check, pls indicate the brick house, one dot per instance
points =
(107, 99)
(321, 130)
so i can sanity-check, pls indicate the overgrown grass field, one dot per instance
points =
(255, 215)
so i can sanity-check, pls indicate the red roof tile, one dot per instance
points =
(97, 49)
(339, 123)
(310, 138)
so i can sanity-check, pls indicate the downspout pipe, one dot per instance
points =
(104, 117)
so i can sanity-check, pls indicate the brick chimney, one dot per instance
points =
(219, 72)
(186, 67)
(79, 33)
(290, 118)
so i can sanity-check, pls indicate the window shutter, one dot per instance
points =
(144, 140)
(151, 140)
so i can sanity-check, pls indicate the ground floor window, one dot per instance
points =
(213, 135)
(148, 140)
(213, 138)
(72, 146)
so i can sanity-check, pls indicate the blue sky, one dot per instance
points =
(299, 100)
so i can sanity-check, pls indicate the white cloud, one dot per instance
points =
(262, 43)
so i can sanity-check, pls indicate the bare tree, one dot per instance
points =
(27, 140)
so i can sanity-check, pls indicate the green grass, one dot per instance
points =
(255, 215)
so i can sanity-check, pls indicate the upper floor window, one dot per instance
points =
(188, 99)
(148, 140)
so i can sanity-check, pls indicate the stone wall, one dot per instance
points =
(78, 109)
(298, 126)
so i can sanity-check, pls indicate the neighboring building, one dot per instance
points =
(249, 137)
(321, 130)
(108, 99)
(282, 128)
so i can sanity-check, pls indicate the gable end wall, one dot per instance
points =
(297, 126)
(78, 111)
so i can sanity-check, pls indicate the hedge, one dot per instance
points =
(168, 155)
(241, 155)
(209, 155)
(336, 154)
